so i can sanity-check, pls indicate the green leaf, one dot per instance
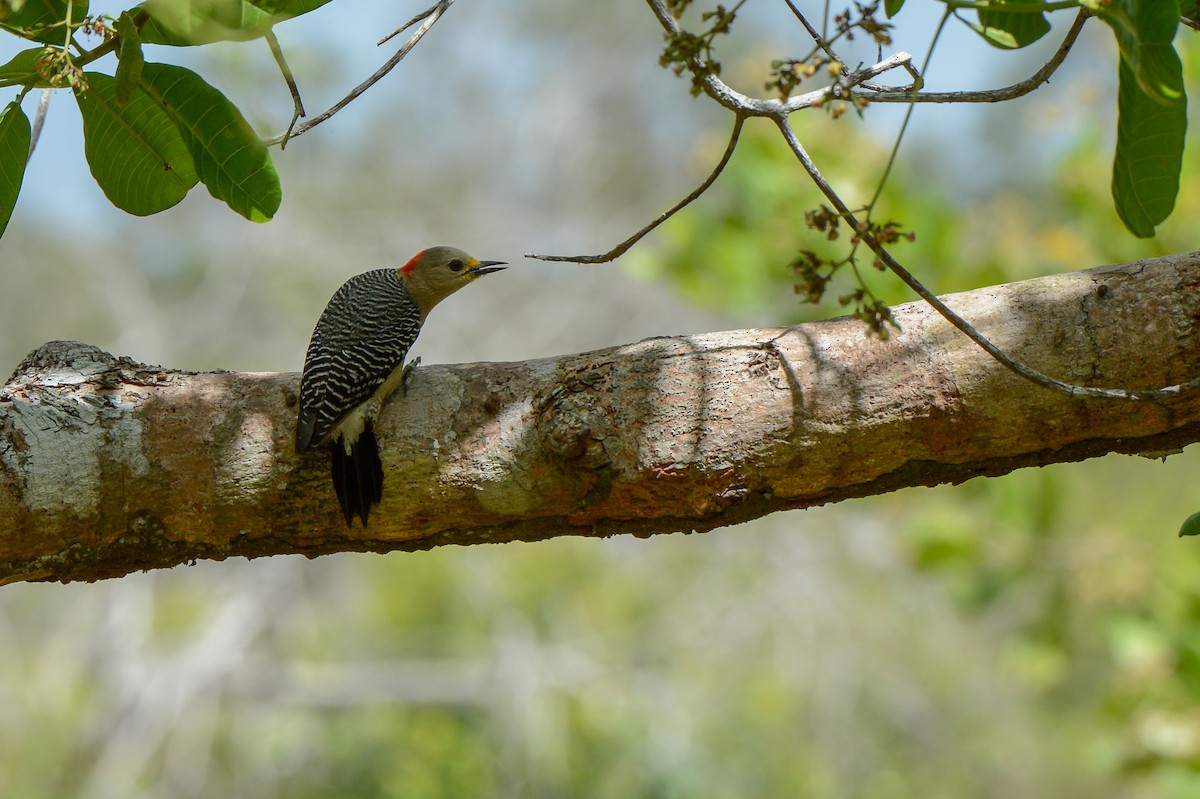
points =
(1010, 30)
(130, 59)
(183, 23)
(22, 69)
(44, 18)
(1145, 30)
(14, 154)
(1150, 140)
(230, 159)
(1191, 526)
(134, 150)
(892, 7)
(1151, 111)
(285, 9)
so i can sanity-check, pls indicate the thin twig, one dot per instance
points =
(737, 102)
(904, 94)
(620, 249)
(908, 114)
(297, 103)
(38, 121)
(408, 25)
(820, 40)
(431, 15)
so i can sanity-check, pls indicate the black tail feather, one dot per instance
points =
(357, 477)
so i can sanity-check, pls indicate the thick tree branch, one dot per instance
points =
(108, 466)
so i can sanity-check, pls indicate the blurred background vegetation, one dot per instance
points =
(1032, 635)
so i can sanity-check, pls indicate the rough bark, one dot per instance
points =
(108, 466)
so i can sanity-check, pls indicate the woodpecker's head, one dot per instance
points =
(433, 275)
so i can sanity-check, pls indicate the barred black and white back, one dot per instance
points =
(361, 339)
(356, 353)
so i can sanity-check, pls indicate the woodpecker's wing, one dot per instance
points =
(363, 335)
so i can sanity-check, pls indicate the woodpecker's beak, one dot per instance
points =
(485, 268)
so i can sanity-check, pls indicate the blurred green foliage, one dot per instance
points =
(1023, 636)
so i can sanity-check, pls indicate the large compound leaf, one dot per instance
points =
(230, 159)
(134, 149)
(184, 23)
(1011, 29)
(14, 153)
(1150, 139)
(43, 19)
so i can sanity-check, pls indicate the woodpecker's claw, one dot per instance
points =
(407, 373)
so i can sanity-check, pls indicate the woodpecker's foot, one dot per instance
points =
(407, 373)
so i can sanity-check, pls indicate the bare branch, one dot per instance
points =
(430, 16)
(620, 249)
(738, 102)
(856, 78)
(744, 104)
(411, 22)
(297, 103)
(38, 121)
(905, 94)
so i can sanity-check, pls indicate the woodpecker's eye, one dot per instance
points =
(456, 265)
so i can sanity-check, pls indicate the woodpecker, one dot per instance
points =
(355, 360)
